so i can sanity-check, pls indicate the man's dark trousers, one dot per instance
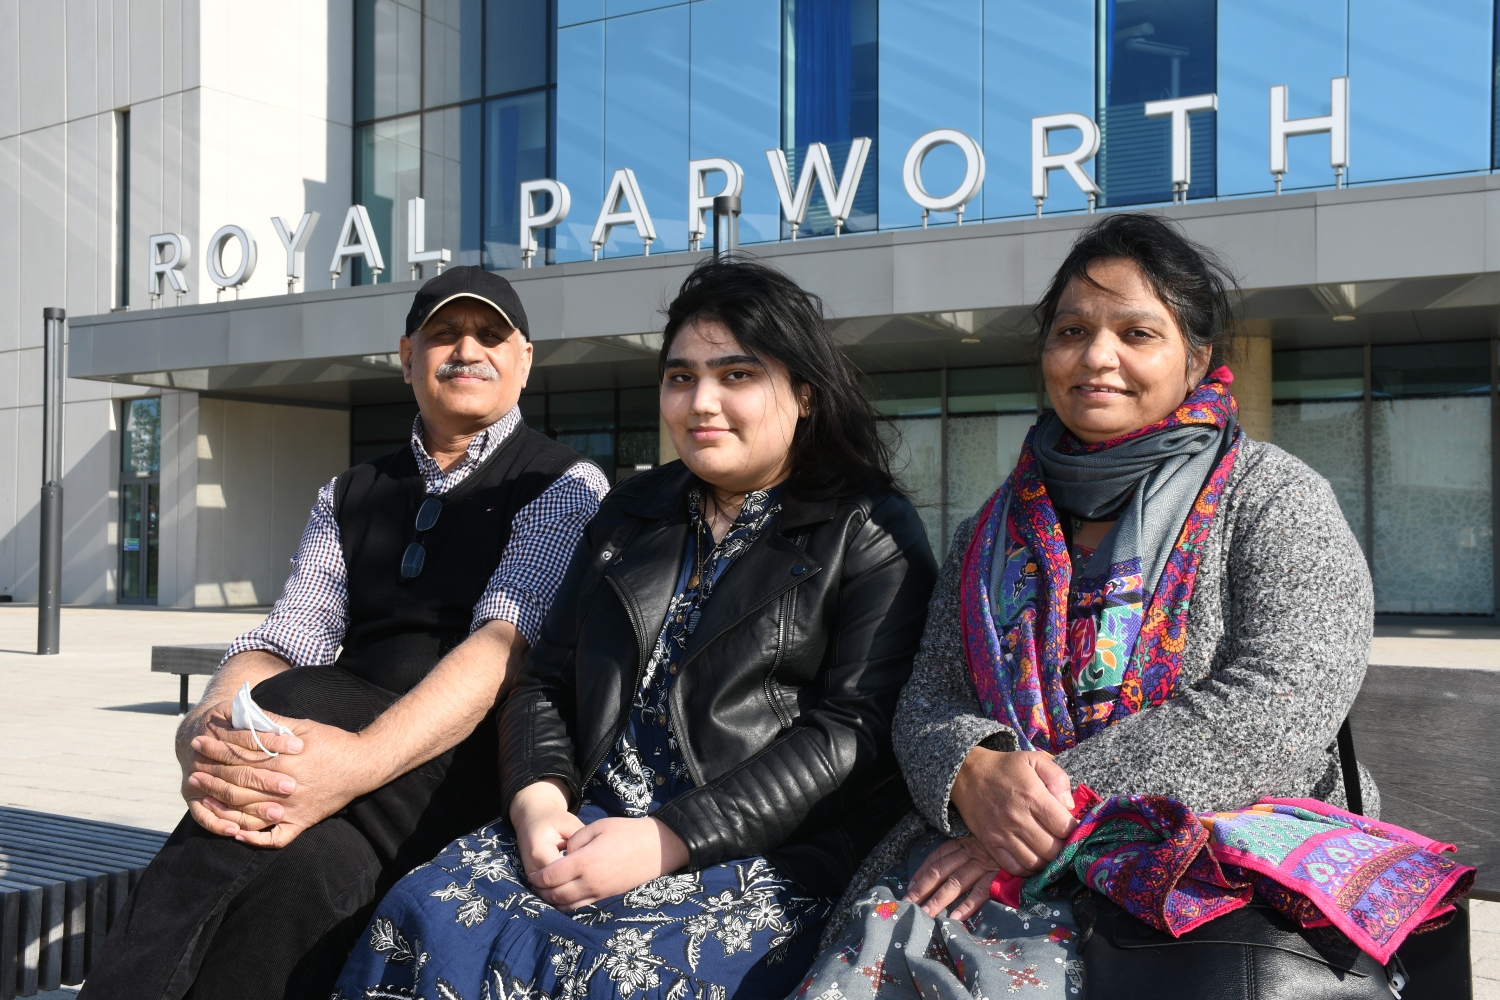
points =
(215, 919)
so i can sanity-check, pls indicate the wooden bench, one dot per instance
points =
(62, 882)
(184, 661)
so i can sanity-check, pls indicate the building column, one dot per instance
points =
(1252, 377)
(665, 450)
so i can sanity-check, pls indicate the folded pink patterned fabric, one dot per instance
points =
(1318, 865)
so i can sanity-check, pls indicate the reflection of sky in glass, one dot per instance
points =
(1038, 60)
(1300, 44)
(735, 105)
(515, 45)
(931, 68)
(1154, 50)
(646, 122)
(515, 141)
(451, 180)
(580, 133)
(578, 11)
(1419, 87)
(388, 171)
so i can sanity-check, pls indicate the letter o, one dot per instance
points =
(215, 260)
(911, 170)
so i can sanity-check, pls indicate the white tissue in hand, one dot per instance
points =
(248, 715)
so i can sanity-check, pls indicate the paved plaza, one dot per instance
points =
(89, 732)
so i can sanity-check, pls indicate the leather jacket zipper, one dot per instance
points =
(640, 671)
(773, 694)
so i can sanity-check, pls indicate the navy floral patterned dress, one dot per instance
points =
(466, 926)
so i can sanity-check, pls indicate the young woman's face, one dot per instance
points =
(731, 416)
(1115, 359)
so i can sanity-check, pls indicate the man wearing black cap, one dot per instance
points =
(421, 581)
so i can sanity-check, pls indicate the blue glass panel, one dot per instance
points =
(646, 123)
(387, 57)
(1419, 87)
(931, 76)
(451, 178)
(735, 101)
(578, 11)
(515, 149)
(1153, 50)
(1038, 60)
(580, 134)
(831, 94)
(1301, 44)
(614, 8)
(387, 172)
(516, 44)
(454, 48)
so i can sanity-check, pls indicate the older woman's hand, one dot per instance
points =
(954, 867)
(1017, 804)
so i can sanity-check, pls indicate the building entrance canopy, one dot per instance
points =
(949, 296)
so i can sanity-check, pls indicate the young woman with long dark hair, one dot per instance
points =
(698, 752)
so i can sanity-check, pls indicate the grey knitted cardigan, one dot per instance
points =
(1278, 638)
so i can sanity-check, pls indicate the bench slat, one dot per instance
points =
(62, 881)
(202, 658)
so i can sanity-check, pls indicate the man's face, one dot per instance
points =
(466, 365)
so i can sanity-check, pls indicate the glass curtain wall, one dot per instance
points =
(140, 500)
(618, 428)
(956, 434)
(1152, 50)
(830, 93)
(452, 103)
(1403, 434)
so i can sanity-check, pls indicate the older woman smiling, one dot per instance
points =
(1151, 603)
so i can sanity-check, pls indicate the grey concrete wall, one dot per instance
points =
(259, 469)
(238, 112)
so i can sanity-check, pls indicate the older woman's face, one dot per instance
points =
(731, 416)
(1115, 359)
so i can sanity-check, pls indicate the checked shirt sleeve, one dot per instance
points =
(542, 539)
(307, 623)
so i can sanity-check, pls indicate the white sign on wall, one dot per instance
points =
(545, 202)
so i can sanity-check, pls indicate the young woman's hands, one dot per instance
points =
(544, 826)
(1017, 804)
(608, 857)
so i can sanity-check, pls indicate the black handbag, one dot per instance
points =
(1255, 953)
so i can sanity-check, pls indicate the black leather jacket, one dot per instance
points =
(783, 706)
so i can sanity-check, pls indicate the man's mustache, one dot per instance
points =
(478, 369)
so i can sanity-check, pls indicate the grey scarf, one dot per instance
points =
(1149, 484)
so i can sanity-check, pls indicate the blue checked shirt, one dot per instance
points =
(308, 622)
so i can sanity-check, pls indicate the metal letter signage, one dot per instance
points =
(1043, 161)
(356, 226)
(816, 164)
(295, 244)
(1335, 123)
(215, 259)
(699, 202)
(555, 213)
(911, 173)
(178, 252)
(416, 239)
(623, 185)
(1182, 136)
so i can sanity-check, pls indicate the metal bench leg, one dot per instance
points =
(182, 704)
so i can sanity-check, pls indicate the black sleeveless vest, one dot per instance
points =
(399, 629)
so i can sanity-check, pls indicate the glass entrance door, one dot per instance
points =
(140, 500)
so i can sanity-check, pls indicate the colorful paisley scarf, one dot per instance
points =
(1318, 865)
(1163, 483)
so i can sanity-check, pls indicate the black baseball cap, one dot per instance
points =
(467, 282)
